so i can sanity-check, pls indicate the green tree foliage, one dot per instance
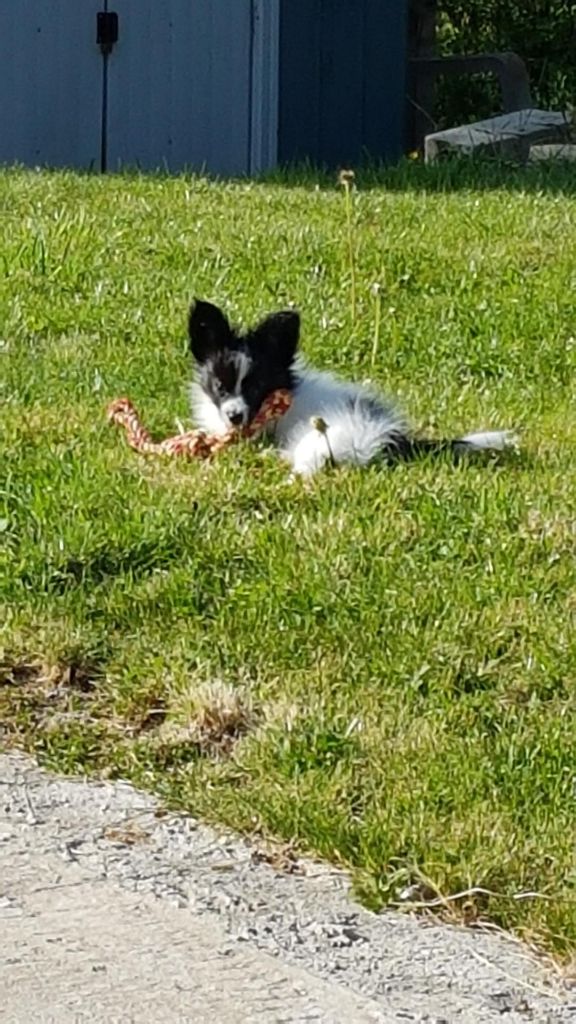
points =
(542, 32)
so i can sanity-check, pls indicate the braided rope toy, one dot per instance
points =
(194, 443)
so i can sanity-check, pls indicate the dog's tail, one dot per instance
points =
(404, 449)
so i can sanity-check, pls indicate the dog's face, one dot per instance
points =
(238, 371)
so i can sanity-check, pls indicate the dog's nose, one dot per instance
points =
(236, 418)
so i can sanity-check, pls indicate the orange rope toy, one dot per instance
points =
(194, 443)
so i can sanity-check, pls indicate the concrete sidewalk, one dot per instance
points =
(112, 911)
(79, 949)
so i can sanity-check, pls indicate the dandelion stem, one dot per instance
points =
(321, 426)
(346, 179)
(377, 320)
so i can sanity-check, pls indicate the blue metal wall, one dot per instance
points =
(342, 80)
(179, 85)
(50, 82)
(225, 85)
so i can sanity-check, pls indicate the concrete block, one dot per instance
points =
(509, 135)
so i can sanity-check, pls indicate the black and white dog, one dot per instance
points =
(236, 371)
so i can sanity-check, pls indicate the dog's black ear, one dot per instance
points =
(208, 330)
(279, 334)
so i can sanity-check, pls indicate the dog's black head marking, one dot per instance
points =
(237, 371)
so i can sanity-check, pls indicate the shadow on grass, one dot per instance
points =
(450, 174)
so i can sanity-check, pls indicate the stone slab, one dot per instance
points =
(509, 135)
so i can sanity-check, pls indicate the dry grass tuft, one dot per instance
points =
(212, 719)
(49, 695)
(58, 676)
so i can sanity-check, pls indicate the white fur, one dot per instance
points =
(216, 420)
(353, 435)
(233, 408)
(356, 432)
(206, 415)
(489, 440)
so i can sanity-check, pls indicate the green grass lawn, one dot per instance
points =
(379, 666)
